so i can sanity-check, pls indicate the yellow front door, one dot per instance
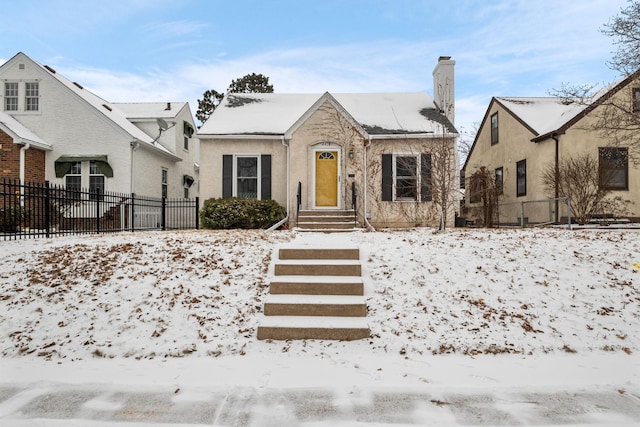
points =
(326, 178)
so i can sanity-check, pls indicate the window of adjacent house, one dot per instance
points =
(73, 178)
(494, 128)
(96, 181)
(406, 177)
(613, 164)
(247, 177)
(165, 183)
(521, 178)
(636, 99)
(11, 96)
(499, 178)
(32, 96)
(188, 133)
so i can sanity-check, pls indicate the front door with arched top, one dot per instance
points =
(326, 164)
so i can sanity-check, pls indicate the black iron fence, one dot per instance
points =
(33, 210)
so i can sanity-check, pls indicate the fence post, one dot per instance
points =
(197, 213)
(98, 194)
(47, 208)
(163, 214)
(132, 211)
(522, 214)
(569, 212)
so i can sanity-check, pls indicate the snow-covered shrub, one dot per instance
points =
(235, 212)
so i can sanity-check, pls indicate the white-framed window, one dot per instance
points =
(188, 133)
(165, 182)
(11, 96)
(31, 96)
(73, 178)
(96, 181)
(246, 173)
(406, 176)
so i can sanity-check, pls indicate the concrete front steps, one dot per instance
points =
(332, 221)
(316, 293)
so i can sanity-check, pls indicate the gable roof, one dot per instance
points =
(549, 116)
(277, 113)
(540, 115)
(16, 130)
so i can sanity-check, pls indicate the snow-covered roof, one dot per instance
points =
(541, 114)
(17, 130)
(109, 110)
(149, 110)
(277, 113)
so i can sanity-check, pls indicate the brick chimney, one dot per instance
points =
(443, 87)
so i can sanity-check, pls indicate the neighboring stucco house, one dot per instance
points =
(54, 129)
(519, 138)
(385, 145)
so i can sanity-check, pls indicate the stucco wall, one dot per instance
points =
(212, 150)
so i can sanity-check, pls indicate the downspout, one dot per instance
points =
(134, 146)
(23, 151)
(557, 175)
(286, 218)
(365, 190)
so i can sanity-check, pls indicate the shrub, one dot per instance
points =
(11, 217)
(240, 213)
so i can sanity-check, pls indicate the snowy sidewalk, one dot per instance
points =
(291, 390)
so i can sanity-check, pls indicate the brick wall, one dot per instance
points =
(10, 161)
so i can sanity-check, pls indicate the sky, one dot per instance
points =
(167, 50)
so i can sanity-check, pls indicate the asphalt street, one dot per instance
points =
(103, 405)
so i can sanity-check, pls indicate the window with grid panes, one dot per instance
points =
(32, 96)
(11, 96)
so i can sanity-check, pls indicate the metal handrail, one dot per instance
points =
(299, 202)
(354, 198)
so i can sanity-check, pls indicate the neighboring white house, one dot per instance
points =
(142, 148)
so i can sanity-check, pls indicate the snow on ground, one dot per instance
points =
(200, 294)
(468, 327)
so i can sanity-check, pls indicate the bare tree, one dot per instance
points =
(616, 119)
(444, 176)
(483, 188)
(581, 179)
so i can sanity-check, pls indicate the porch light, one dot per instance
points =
(350, 154)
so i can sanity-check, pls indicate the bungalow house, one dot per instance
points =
(323, 152)
(53, 129)
(521, 139)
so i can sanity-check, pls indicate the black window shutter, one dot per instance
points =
(387, 177)
(265, 179)
(227, 176)
(425, 176)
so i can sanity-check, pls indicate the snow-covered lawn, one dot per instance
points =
(200, 293)
(468, 327)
